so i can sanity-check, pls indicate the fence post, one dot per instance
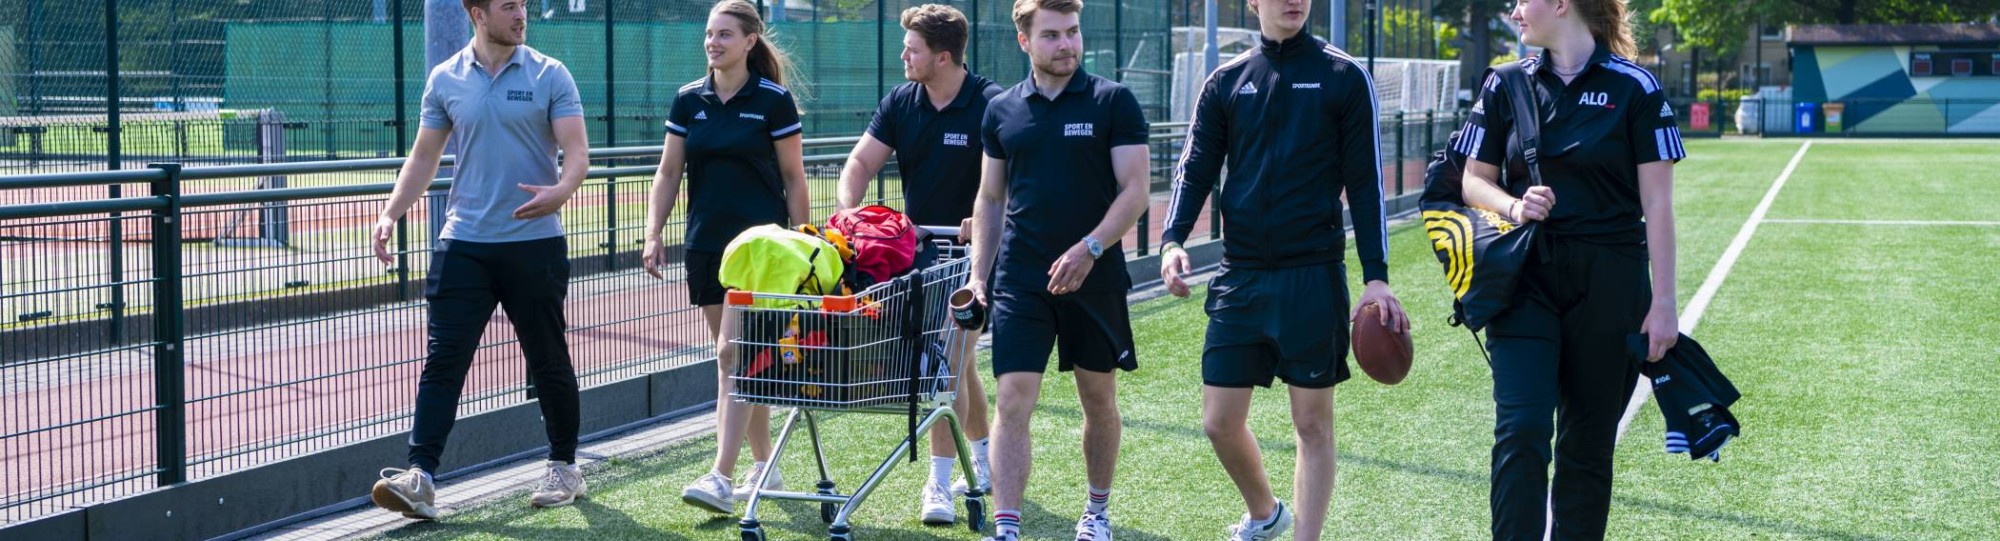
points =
(403, 258)
(168, 379)
(1430, 135)
(112, 144)
(610, 138)
(881, 85)
(399, 124)
(114, 160)
(1118, 57)
(1401, 127)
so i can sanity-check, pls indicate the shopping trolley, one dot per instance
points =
(884, 350)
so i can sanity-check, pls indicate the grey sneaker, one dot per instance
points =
(563, 485)
(937, 507)
(712, 493)
(1265, 530)
(406, 491)
(1093, 527)
(776, 482)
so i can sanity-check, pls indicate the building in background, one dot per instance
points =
(1899, 79)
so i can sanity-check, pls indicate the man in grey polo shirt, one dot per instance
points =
(502, 244)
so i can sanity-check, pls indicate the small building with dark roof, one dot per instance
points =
(1900, 78)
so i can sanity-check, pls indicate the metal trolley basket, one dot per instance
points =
(885, 350)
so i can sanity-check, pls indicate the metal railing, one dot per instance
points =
(193, 330)
(176, 335)
(1862, 117)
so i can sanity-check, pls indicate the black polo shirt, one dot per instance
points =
(1596, 130)
(1059, 178)
(937, 152)
(732, 161)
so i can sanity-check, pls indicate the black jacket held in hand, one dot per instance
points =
(1694, 398)
(1296, 123)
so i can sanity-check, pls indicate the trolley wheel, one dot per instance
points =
(840, 533)
(826, 512)
(975, 514)
(753, 533)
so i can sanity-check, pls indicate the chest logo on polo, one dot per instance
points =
(957, 140)
(1247, 88)
(751, 116)
(1078, 130)
(701, 115)
(1304, 86)
(1666, 110)
(1600, 99)
(520, 95)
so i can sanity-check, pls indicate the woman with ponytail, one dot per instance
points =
(1562, 368)
(736, 134)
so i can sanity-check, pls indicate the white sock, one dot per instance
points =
(941, 467)
(979, 447)
(1099, 502)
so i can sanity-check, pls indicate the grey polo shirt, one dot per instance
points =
(505, 136)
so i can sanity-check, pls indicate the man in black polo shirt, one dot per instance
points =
(932, 124)
(1066, 174)
(1295, 119)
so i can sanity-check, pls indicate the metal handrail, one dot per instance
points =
(147, 203)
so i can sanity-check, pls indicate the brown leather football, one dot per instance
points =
(1383, 354)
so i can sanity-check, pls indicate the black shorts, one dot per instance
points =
(704, 273)
(1095, 327)
(1285, 323)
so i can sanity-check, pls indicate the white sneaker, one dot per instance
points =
(1093, 527)
(937, 507)
(1253, 530)
(959, 486)
(712, 493)
(562, 486)
(776, 482)
(409, 492)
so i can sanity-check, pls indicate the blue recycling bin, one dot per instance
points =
(1806, 112)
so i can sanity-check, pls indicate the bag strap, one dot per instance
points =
(1527, 117)
(812, 275)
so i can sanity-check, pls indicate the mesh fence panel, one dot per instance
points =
(327, 72)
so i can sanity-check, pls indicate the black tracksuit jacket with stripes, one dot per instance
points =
(1295, 122)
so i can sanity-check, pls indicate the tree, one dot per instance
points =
(1721, 25)
(1475, 17)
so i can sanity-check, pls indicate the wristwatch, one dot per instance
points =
(1096, 248)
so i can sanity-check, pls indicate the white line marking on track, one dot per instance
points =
(1881, 222)
(1699, 304)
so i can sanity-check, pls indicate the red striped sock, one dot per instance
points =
(1007, 523)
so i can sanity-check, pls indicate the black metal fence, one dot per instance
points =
(174, 335)
(147, 346)
(189, 77)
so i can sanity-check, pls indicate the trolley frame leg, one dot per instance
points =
(757, 485)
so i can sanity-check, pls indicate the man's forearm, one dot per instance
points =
(1124, 214)
(985, 237)
(853, 184)
(411, 183)
(574, 172)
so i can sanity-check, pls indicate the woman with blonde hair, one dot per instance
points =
(1561, 367)
(736, 133)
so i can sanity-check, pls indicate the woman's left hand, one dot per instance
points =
(1662, 329)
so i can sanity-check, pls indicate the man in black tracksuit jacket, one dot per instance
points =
(1295, 121)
